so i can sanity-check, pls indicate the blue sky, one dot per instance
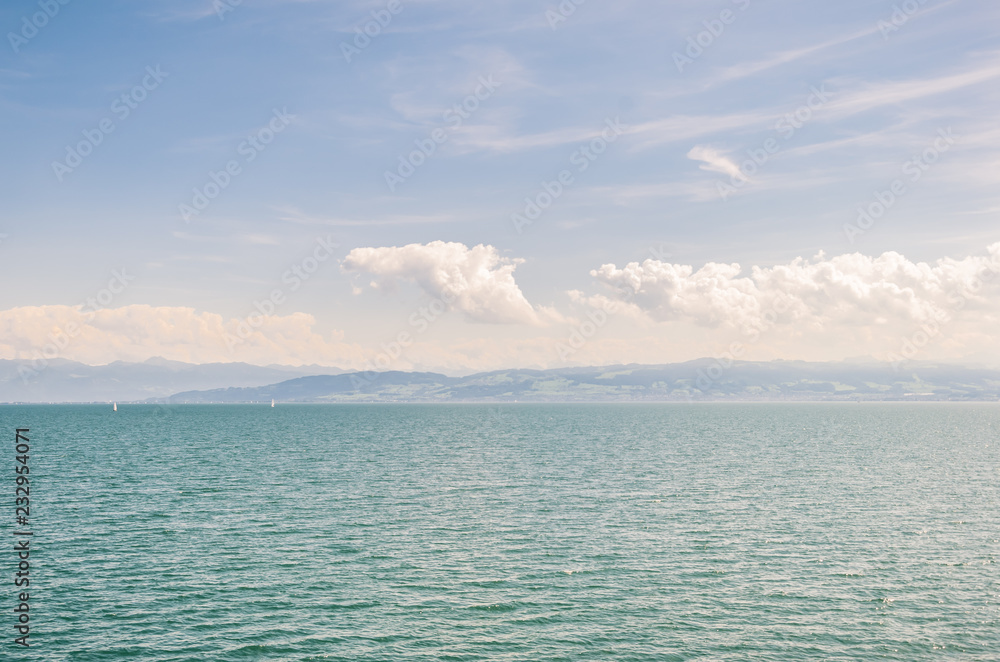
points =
(885, 92)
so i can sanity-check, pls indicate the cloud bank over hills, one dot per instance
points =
(465, 311)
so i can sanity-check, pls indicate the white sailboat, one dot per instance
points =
(272, 402)
(116, 407)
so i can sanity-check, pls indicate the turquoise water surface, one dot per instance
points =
(512, 532)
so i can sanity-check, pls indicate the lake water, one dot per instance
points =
(515, 532)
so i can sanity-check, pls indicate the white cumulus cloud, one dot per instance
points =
(851, 290)
(476, 281)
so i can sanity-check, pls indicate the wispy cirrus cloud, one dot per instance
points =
(860, 97)
(713, 160)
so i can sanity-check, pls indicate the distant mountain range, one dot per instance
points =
(158, 380)
(703, 379)
(67, 381)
